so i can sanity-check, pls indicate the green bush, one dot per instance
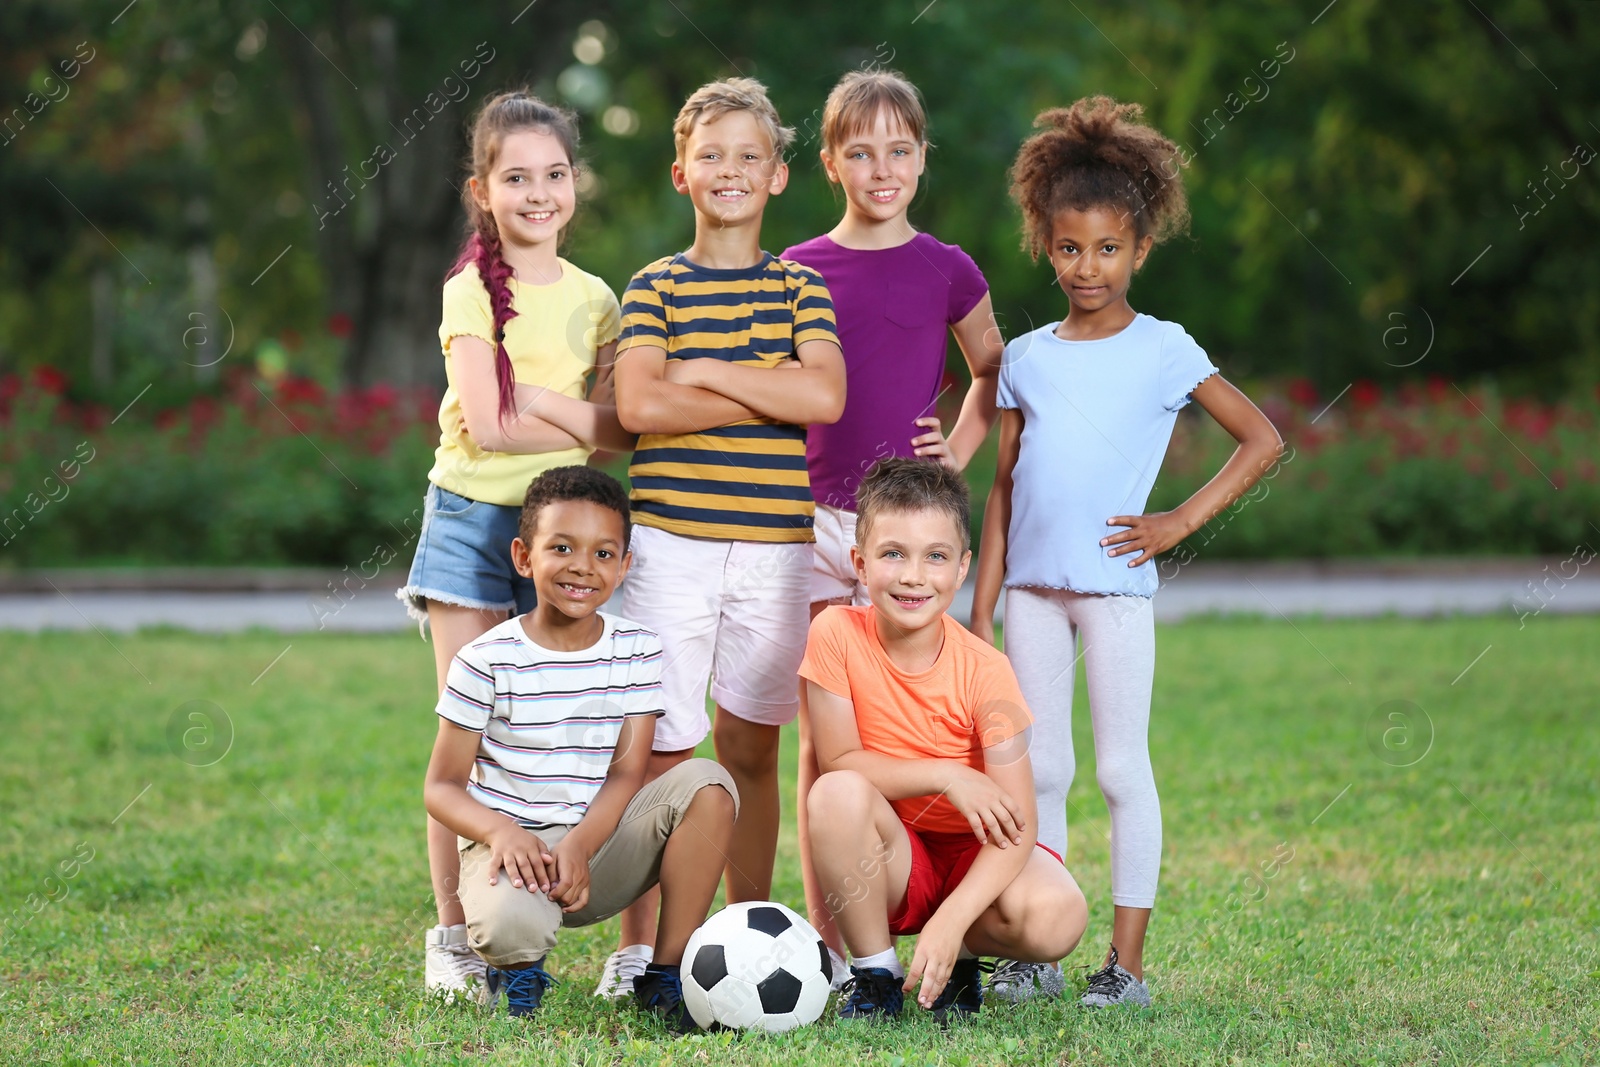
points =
(1433, 470)
(312, 479)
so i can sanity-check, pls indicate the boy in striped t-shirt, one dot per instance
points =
(726, 355)
(546, 726)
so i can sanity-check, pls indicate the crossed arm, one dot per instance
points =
(662, 396)
(545, 420)
(561, 872)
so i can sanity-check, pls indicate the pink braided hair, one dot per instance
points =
(500, 115)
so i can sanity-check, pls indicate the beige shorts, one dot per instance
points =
(833, 576)
(509, 926)
(732, 613)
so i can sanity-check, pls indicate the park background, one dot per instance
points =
(225, 227)
(225, 235)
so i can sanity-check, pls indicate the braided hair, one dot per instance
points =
(1097, 154)
(506, 113)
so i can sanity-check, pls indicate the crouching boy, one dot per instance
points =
(546, 725)
(923, 820)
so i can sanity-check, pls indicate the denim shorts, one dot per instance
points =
(464, 557)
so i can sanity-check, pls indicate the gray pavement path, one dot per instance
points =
(300, 601)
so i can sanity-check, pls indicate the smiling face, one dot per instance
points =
(575, 559)
(529, 188)
(878, 167)
(912, 562)
(729, 168)
(1095, 254)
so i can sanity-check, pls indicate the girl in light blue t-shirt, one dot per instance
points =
(1087, 409)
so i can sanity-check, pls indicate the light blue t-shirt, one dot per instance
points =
(1097, 418)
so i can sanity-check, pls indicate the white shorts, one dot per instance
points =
(833, 576)
(734, 613)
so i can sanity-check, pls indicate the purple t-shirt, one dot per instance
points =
(893, 307)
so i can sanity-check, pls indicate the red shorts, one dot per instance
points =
(938, 863)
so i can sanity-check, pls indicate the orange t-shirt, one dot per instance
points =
(967, 699)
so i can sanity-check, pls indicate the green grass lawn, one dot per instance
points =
(1432, 893)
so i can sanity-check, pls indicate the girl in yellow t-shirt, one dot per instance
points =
(522, 329)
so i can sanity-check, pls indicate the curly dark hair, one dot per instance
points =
(574, 483)
(903, 484)
(1097, 154)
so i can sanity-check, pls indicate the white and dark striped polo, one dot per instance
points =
(549, 720)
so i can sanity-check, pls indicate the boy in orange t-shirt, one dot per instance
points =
(924, 819)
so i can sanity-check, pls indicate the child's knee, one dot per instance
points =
(746, 749)
(714, 801)
(708, 787)
(509, 926)
(1054, 918)
(1125, 779)
(835, 796)
(1046, 918)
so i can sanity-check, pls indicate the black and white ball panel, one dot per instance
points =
(756, 965)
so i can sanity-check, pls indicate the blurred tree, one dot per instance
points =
(1361, 175)
(383, 152)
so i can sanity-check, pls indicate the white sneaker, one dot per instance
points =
(451, 969)
(1017, 982)
(1112, 984)
(622, 967)
(841, 971)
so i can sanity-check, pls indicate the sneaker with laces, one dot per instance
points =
(622, 967)
(871, 993)
(451, 970)
(1014, 981)
(523, 987)
(963, 993)
(1112, 984)
(659, 991)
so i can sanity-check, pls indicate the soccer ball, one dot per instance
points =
(756, 965)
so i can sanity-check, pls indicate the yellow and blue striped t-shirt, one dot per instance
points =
(746, 481)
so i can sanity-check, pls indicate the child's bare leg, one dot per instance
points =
(816, 900)
(444, 865)
(862, 858)
(1127, 937)
(748, 751)
(691, 867)
(453, 628)
(816, 904)
(1039, 918)
(639, 919)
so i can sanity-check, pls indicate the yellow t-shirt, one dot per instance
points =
(552, 341)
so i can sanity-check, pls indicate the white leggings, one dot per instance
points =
(1119, 653)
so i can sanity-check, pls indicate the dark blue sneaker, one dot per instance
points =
(659, 991)
(871, 993)
(523, 986)
(963, 993)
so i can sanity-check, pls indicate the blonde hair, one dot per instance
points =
(715, 99)
(855, 102)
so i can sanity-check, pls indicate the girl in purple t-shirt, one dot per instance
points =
(896, 293)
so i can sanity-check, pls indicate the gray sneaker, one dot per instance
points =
(1015, 981)
(1112, 984)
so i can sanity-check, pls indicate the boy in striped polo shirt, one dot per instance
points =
(726, 355)
(545, 732)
